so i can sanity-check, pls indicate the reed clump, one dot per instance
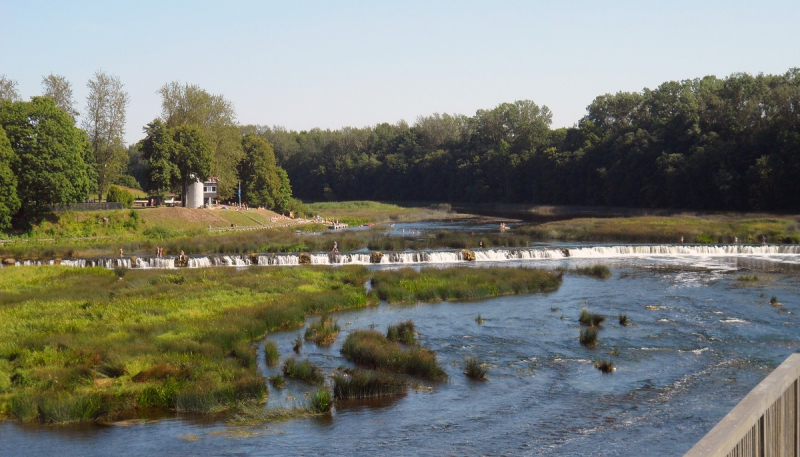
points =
(371, 349)
(303, 370)
(588, 337)
(322, 332)
(605, 366)
(271, 355)
(591, 319)
(474, 369)
(321, 401)
(402, 332)
(623, 320)
(356, 383)
(595, 271)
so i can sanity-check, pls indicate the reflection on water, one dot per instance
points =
(699, 340)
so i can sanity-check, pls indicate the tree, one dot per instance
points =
(105, 124)
(193, 156)
(8, 89)
(60, 90)
(159, 149)
(51, 155)
(176, 156)
(188, 104)
(9, 202)
(261, 183)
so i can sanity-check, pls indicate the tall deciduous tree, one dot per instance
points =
(188, 104)
(60, 90)
(104, 121)
(176, 156)
(8, 89)
(51, 154)
(9, 202)
(261, 183)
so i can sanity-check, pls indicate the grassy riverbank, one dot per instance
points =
(461, 283)
(79, 344)
(85, 345)
(748, 228)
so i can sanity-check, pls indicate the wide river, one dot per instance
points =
(699, 340)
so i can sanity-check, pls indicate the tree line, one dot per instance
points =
(707, 143)
(47, 159)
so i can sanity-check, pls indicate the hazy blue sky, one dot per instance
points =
(330, 64)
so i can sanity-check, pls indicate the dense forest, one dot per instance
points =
(709, 143)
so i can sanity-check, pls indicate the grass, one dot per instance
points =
(355, 383)
(588, 337)
(591, 319)
(720, 228)
(277, 381)
(371, 349)
(302, 370)
(748, 279)
(474, 369)
(595, 271)
(409, 286)
(77, 344)
(321, 401)
(271, 355)
(402, 332)
(605, 366)
(322, 332)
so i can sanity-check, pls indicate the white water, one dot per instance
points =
(779, 253)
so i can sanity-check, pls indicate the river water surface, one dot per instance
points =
(699, 341)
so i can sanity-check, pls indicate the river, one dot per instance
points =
(699, 340)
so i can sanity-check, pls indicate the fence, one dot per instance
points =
(88, 206)
(764, 424)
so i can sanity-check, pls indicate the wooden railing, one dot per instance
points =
(764, 424)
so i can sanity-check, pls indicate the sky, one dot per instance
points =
(330, 64)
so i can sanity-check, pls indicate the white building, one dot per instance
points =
(200, 193)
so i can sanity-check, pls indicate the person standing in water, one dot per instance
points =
(335, 247)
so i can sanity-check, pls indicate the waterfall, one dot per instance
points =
(783, 252)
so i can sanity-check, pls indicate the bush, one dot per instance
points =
(128, 181)
(474, 369)
(588, 337)
(115, 194)
(590, 319)
(321, 401)
(302, 370)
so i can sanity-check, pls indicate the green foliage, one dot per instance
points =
(591, 319)
(474, 369)
(127, 181)
(321, 401)
(372, 349)
(263, 182)
(588, 337)
(9, 202)
(402, 332)
(322, 332)
(303, 370)
(355, 383)
(271, 355)
(184, 342)
(115, 194)
(53, 162)
(460, 283)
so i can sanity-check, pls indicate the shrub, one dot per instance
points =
(365, 384)
(321, 401)
(590, 319)
(474, 369)
(271, 355)
(588, 337)
(402, 332)
(323, 332)
(596, 271)
(372, 349)
(605, 366)
(115, 194)
(128, 181)
(303, 370)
